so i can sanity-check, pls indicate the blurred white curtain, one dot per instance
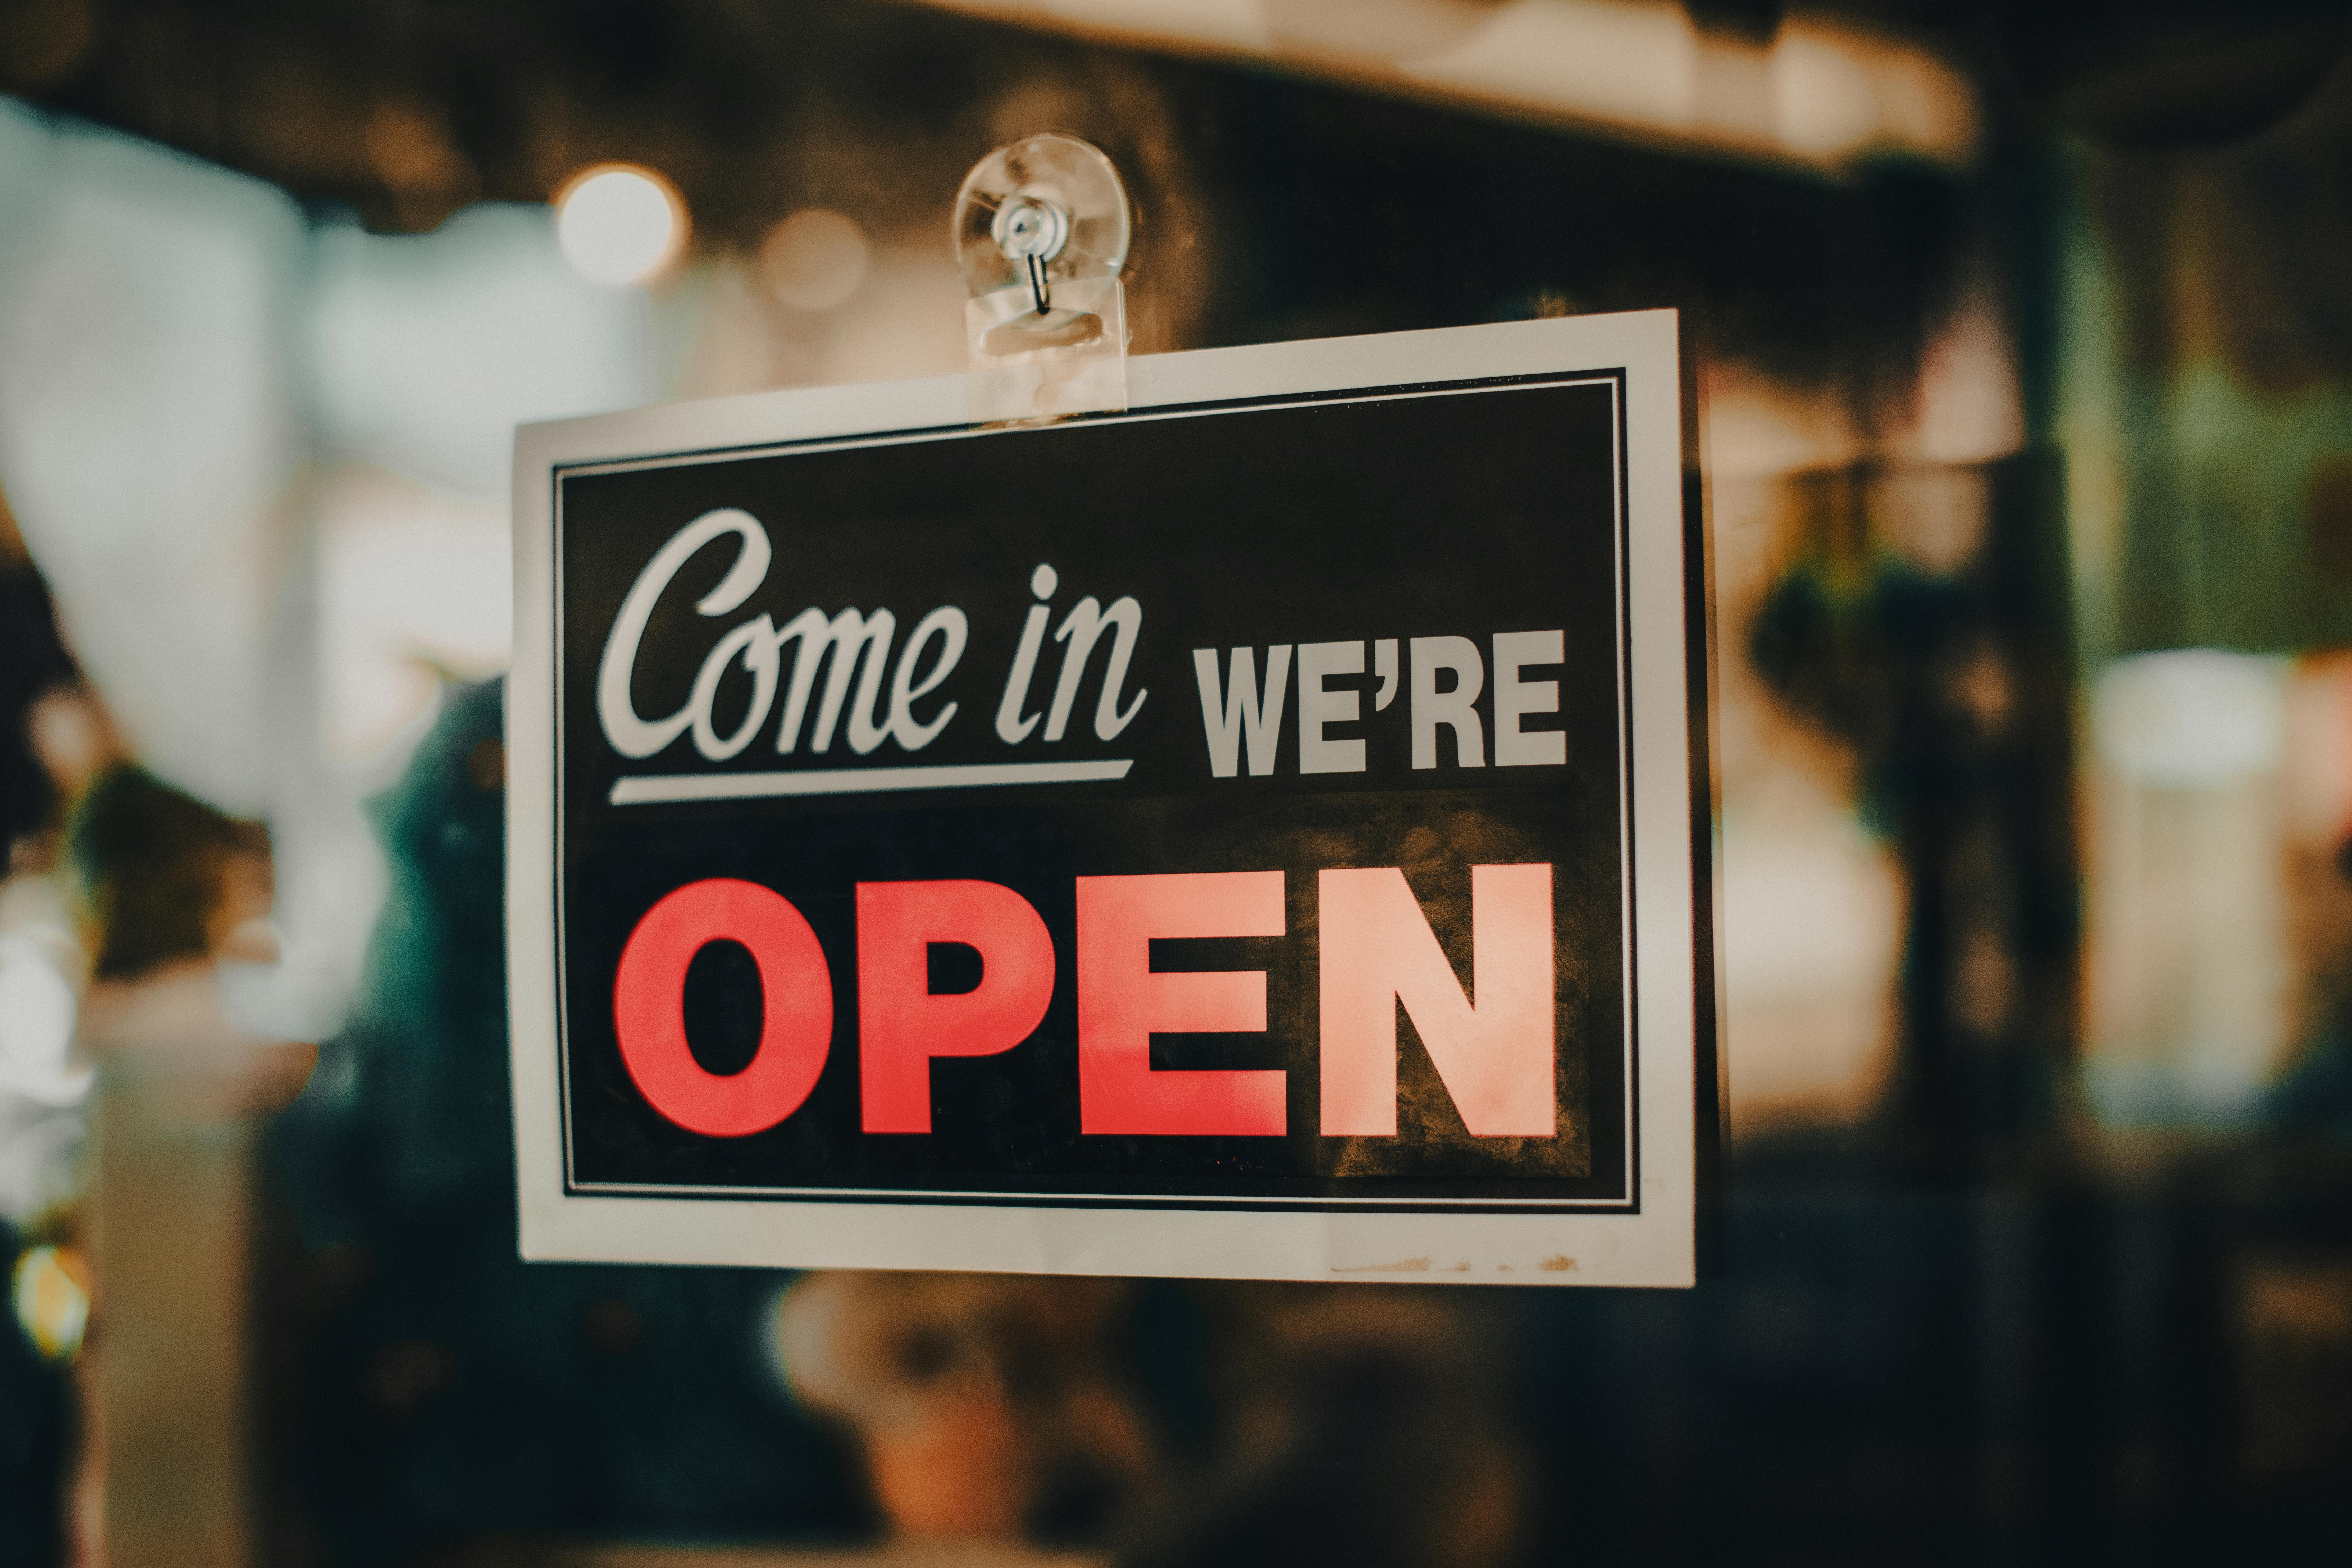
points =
(263, 466)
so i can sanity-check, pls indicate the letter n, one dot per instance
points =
(1495, 1056)
(902, 1025)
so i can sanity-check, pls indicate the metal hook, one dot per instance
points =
(1031, 231)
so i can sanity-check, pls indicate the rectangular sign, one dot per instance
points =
(1251, 835)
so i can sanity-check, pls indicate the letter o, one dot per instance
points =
(649, 1007)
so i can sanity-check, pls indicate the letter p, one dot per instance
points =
(902, 1025)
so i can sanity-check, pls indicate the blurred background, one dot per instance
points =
(2025, 357)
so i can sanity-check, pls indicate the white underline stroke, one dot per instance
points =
(665, 787)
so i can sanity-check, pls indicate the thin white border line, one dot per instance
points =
(653, 788)
(1620, 542)
(985, 1195)
(558, 471)
(559, 590)
(589, 470)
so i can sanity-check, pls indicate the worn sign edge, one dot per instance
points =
(1653, 1246)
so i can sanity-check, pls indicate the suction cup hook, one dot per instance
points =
(1042, 230)
(1034, 230)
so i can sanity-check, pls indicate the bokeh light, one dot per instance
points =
(50, 1292)
(620, 224)
(814, 259)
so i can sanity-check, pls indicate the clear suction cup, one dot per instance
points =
(1042, 229)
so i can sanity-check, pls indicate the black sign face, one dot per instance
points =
(1216, 808)
(1318, 561)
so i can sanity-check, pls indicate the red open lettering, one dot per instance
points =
(902, 1025)
(1495, 1058)
(649, 1007)
(1122, 1004)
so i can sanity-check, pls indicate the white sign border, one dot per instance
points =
(1654, 1245)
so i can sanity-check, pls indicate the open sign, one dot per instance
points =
(1262, 834)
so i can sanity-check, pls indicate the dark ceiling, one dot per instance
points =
(1296, 207)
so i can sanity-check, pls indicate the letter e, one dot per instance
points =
(1515, 747)
(1317, 707)
(1122, 1004)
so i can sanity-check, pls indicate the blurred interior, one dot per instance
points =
(2026, 359)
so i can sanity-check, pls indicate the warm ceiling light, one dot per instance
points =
(619, 224)
(814, 259)
(1827, 94)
